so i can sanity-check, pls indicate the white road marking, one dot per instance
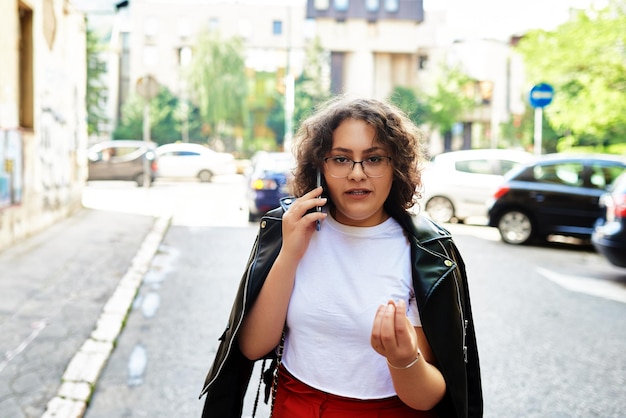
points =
(595, 287)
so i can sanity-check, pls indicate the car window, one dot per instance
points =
(507, 165)
(569, 174)
(122, 151)
(604, 175)
(482, 166)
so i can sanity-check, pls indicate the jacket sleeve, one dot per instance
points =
(227, 380)
(474, 383)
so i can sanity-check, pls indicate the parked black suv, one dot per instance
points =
(122, 160)
(557, 194)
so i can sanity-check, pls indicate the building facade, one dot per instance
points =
(377, 45)
(43, 132)
(156, 38)
(373, 46)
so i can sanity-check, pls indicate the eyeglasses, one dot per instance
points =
(341, 167)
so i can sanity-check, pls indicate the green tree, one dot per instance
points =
(449, 102)
(406, 99)
(310, 90)
(217, 79)
(584, 60)
(165, 120)
(311, 87)
(96, 89)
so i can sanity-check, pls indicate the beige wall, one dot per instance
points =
(49, 157)
(378, 56)
(8, 69)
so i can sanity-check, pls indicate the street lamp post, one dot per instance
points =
(147, 88)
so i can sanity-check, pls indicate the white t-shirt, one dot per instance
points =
(346, 273)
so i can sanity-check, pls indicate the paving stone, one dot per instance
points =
(64, 408)
(75, 391)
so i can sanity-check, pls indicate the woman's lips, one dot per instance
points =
(358, 193)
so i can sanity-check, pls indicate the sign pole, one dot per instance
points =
(540, 96)
(538, 129)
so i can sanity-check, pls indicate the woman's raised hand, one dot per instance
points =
(299, 222)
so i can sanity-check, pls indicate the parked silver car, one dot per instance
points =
(186, 160)
(122, 160)
(458, 184)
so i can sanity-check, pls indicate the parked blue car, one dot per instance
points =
(609, 234)
(267, 181)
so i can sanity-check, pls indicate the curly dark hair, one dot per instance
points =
(393, 129)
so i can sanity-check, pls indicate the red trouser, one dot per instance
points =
(295, 399)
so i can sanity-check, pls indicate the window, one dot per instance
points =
(342, 5)
(568, 174)
(372, 5)
(603, 176)
(321, 4)
(422, 62)
(184, 56)
(150, 56)
(183, 27)
(150, 26)
(26, 96)
(277, 27)
(474, 166)
(214, 24)
(392, 5)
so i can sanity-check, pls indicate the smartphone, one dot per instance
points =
(318, 225)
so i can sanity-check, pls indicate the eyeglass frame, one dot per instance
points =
(325, 159)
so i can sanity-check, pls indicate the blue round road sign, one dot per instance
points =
(541, 95)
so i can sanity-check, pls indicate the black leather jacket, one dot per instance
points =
(440, 285)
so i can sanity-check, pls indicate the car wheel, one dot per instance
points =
(139, 180)
(205, 176)
(515, 227)
(440, 209)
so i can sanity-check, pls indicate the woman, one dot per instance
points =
(368, 305)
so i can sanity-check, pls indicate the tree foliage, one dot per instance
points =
(96, 88)
(165, 120)
(311, 88)
(217, 79)
(441, 108)
(448, 103)
(406, 99)
(585, 60)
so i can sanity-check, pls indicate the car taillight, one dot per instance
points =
(154, 166)
(501, 192)
(264, 184)
(619, 208)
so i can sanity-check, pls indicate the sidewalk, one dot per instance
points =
(64, 296)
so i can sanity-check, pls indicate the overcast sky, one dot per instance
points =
(501, 18)
(476, 18)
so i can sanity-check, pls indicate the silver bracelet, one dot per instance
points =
(417, 357)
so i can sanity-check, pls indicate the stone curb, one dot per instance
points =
(80, 376)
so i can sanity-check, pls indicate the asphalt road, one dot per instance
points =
(549, 319)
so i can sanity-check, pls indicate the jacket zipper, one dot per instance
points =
(464, 321)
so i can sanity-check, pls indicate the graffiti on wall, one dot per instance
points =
(11, 168)
(56, 155)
